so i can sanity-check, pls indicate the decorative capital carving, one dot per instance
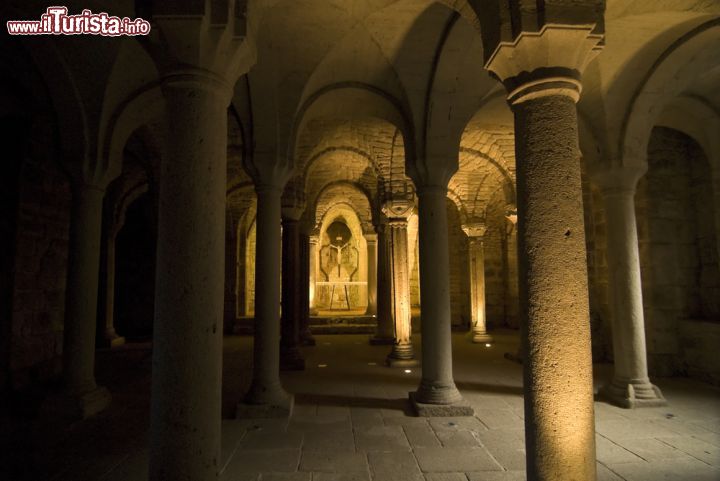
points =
(548, 62)
(618, 180)
(475, 230)
(398, 209)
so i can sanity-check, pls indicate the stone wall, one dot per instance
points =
(41, 256)
(678, 256)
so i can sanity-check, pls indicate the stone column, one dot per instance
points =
(187, 339)
(437, 394)
(385, 333)
(313, 241)
(372, 276)
(231, 274)
(397, 212)
(266, 397)
(476, 255)
(84, 397)
(630, 386)
(110, 336)
(306, 337)
(559, 417)
(290, 357)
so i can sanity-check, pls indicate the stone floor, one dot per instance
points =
(351, 423)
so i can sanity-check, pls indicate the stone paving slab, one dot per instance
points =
(455, 423)
(672, 470)
(453, 460)
(259, 461)
(381, 438)
(445, 477)
(497, 476)
(510, 455)
(696, 448)
(334, 462)
(285, 477)
(421, 436)
(631, 428)
(609, 452)
(457, 439)
(271, 439)
(393, 465)
(331, 441)
(499, 418)
(651, 449)
(340, 477)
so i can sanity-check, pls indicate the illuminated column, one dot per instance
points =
(266, 397)
(437, 394)
(559, 418)
(476, 255)
(385, 333)
(84, 397)
(313, 273)
(111, 336)
(290, 357)
(397, 212)
(630, 386)
(306, 291)
(189, 298)
(371, 240)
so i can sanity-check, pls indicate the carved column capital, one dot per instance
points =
(475, 230)
(548, 62)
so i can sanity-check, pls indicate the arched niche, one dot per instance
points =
(342, 262)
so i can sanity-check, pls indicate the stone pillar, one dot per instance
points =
(313, 254)
(371, 240)
(110, 336)
(266, 397)
(231, 274)
(187, 347)
(559, 417)
(290, 357)
(84, 397)
(306, 337)
(437, 394)
(476, 255)
(630, 386)
(397, 212)
(385, 331)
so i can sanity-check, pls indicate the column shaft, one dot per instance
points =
(266, 389)
(559, 422)
(86, 398)
(313, 272)
(402, 354)
(110, 335)
(306, 337)
(187, 348)
(385, 332)
(437, 385)
(372, 275)
(290, 357)
(476, 254)
(631, 385)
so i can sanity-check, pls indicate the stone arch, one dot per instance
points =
(682, 62)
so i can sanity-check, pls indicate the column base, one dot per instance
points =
(630, 395)
(377, 340)
(460, 408)
(291, 359)
(402, 355)
(393, 362)
(76, 406)
(480, 337)
(111, 339)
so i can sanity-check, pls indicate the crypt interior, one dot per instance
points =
(350, 240)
